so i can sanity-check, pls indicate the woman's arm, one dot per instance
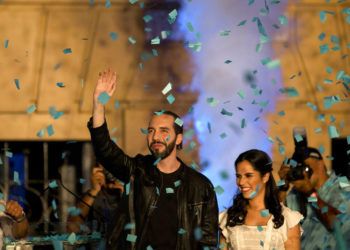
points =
(293, 241)
(223, 244)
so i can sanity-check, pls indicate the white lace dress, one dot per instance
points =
(245, 237)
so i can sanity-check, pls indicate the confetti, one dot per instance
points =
(181, 231)
(113, 36)
(219, 190)
(147, 18)
(67, 51)
(133, 1)
(131, 40)
(170, 98)
(103, 98)
(155, 40)
(157, 161)
(60, 84)
(264, 213)
(72, 238)
(169, 190)
(172, 16)
(225, 112)
(6, 43)
(242, 23)
(281, 183)
(31, 109)
(53, 184)
(190, 27)
(283, 20)
(167, 88)
(177, 183)
(50, 130)
(17, 83)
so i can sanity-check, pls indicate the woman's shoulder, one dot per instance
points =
(292, 218)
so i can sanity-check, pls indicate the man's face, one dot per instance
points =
(161, 137)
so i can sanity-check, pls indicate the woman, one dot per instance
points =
(257, 220)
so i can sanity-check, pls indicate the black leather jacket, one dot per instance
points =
(197, 204)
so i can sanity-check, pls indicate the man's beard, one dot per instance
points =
(164, 154)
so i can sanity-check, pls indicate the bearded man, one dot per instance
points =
(167, 205)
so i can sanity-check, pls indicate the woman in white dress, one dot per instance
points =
(257, 220)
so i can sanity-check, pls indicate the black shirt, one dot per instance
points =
(163, 227)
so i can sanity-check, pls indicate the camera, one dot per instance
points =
(297, 164)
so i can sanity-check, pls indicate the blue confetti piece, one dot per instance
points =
(228, 61)
(264, 213)
(219, 190)
(281, 149)
(54, 113)
(243, 123)
(144, 131)
(6, 43)
(67, 51)
(253, 194)
(242, 23)
(147, 18)
(72, 238)
(225, 32)
(223, 135)
(154, 52)
(322, 36)
(298, 138)
(281, 183)
(103, 98)
(31, 109)
(179, 122)
(332, 132)
(324, 48)
(321, 149)
(241, 94)
(129, 226)
(167, 88)
(53, 184)
(250, 2)
(293, 163)
(155, 40)
(60, 84)
(50, 130)
(260, 228)
(340, 74)
(113, 36)
(2, 208)
(181, 231)
(16, 178)
(282, 113)
(157, 161)
(54, 205)
(8, 154)
(169, 190)
(177, 183)
(348, 139)
(198, 234)
(40, 133)
(127, 188)
(149, 247)
(170, 98)
(283, 20)
(131, 237)
(82, 181)
(312, 106)
(312, 199)
(172, 16)
(133, 1)
(108, 4)
(290, 91)
(17, 83)
(225, 112)
(324, 210)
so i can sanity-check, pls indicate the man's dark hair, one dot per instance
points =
(178, 129)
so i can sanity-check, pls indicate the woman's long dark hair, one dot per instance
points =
(262, 163)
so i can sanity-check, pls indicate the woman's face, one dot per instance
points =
(249, 181)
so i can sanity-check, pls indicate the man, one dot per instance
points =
(169, 205)
(98, 205)
(13, 222)
(322, 197)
